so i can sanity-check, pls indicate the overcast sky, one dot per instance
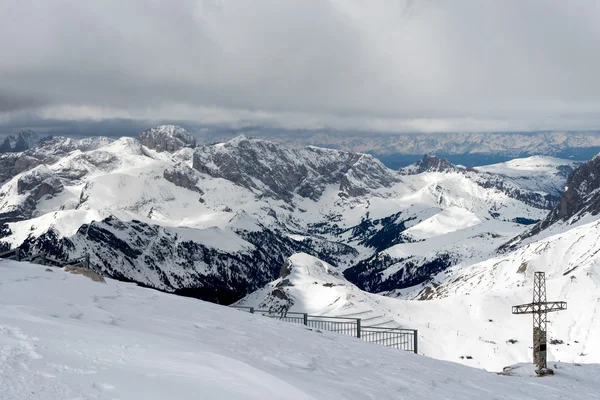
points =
(370, 65)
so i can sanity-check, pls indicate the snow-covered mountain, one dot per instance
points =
(579, 203)
(64, 336)
(24, 140)
(159, 212)
(219, 222)
(271, 170)
(467, 303)
(463, 228)
(307, 284)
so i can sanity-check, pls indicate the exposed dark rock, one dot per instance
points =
(167, 138)
(183, 176)
(382, 233)
(434, 164)
(38, 183)
(22, 141)
(368, 274)
(280, 294)
(5, 230)
(158, 257)
(581, 197)
(5, 147)
(286, 269)
(32, 187)
(280, 172)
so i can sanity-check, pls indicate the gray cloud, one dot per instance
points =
(421, 65)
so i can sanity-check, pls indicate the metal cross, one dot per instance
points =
(540, 309)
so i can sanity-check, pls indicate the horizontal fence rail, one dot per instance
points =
(398, 338)
(403, 339)
(44, 259)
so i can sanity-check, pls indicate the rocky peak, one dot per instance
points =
(183, 176)
(169, 138)
(434, 164)
(581, 197)
(430, 164)
(581, 193)
(280, 172)
(24, 140)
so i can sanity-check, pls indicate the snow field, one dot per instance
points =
(65, 337)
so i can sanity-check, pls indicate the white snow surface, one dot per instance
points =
(520, 166)
(473, 318)
(446, 221)
(533, 173)
(63, 336)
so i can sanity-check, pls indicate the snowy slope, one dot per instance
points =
(571, 263)
(471, 213)
(471, 323)
(309, 285)
(80, 339)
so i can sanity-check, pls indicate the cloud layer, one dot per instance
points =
(382, 65)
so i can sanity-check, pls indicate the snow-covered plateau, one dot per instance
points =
(63, 336)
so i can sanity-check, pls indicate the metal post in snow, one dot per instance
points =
(358, 328)
(305, 319)
(415, 339)
(87, 260)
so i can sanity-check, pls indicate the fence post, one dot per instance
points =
(87, 260)
(251, 310)
(305, 319)
(43, 258)
(416, 348)
(358, 328)
(17, 253)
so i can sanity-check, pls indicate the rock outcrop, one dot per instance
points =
(168, 138)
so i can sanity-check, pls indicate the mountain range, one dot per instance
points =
(320, 230)
(218, 221)
(475, 146)
(469, 282)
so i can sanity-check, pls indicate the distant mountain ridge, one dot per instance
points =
(24, 140)
(509, 144)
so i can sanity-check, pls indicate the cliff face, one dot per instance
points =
(280, 172)
(168, 138)
(580, 198)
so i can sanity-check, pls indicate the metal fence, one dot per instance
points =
(403, 339)
(44, 259)
(398, 338)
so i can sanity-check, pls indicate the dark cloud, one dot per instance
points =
(421, 65)
(10, 102)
